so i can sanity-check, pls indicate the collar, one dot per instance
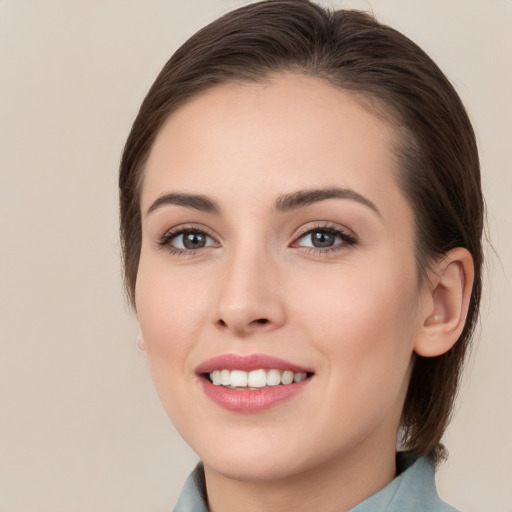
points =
(413, 489)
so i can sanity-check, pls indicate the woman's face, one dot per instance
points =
(277, 245)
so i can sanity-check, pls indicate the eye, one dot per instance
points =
(321, 239)
(186, 240)
(325, 239)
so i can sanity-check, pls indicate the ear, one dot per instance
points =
(446, 307)
(140, 342)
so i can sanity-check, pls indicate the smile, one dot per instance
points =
(251, 383)
(256, 379)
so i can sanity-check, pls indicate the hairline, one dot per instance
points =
(400, 137)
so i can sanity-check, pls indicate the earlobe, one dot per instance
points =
(141, 343)
(448, 304)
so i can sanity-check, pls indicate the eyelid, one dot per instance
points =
(165, 240)
(324, 224)
(348, 237)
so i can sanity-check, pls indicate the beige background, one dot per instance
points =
(81, 428)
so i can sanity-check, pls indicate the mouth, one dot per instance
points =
(255, 379)
(251, 383)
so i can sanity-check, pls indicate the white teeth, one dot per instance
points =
(287, 377)
(273, 378)
(225, 377)
(238, 379)
(255, 379)
(215, 376)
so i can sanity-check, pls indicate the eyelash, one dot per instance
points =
(347, 239)
(165, 241)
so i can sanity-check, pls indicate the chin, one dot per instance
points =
(266, 461)
(253, 468)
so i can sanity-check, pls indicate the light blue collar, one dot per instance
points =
(413, 490)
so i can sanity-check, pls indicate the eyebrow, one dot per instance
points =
(192, 201)
(303, 198)
(283, 203)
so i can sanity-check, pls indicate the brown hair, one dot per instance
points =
(439, 167)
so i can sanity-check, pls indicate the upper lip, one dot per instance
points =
(249, 363)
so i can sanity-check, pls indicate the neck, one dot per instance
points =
(334, 487)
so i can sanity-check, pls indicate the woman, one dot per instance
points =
(301, 219)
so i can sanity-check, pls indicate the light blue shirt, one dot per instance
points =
(413, 490)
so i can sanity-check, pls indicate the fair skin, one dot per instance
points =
(327, 282)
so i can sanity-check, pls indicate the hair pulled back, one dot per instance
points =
(435, 146)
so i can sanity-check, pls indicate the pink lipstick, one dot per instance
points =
(251, 383)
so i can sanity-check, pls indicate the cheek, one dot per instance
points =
(365, 324)
(170, 309)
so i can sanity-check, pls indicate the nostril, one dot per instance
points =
(242, 326)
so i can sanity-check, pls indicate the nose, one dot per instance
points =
(249, 299)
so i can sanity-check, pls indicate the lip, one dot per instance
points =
(248, 363)
(250, 400)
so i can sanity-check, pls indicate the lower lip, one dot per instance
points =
(251, 400)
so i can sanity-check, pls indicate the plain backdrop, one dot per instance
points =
(81, 428)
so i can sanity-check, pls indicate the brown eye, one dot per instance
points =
(193, 240)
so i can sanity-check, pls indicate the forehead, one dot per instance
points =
(286, 133)
(309, 105)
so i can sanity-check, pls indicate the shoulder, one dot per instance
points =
(414, 489)
(193, 493)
